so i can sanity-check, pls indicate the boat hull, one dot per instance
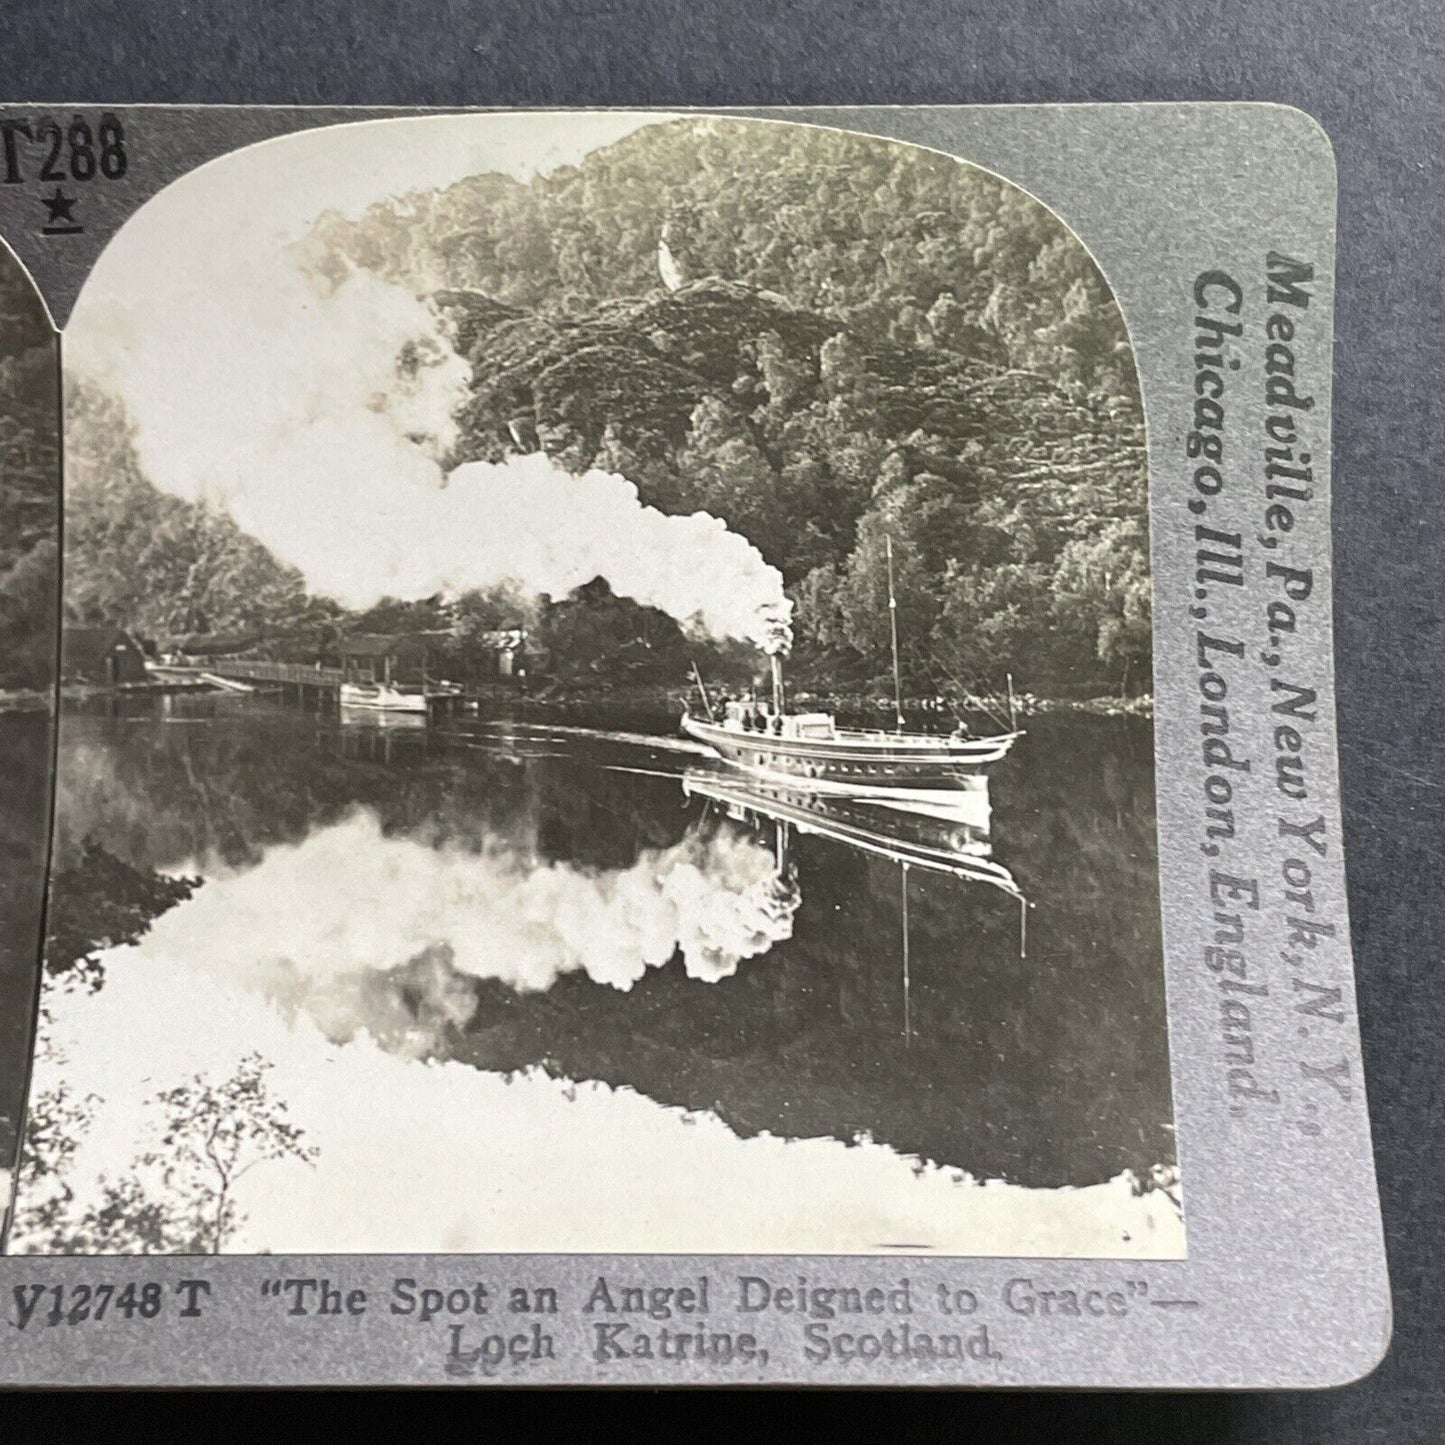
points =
(860, 764)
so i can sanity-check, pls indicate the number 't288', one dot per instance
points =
(46, 150)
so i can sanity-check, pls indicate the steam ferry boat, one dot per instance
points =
(810, 748)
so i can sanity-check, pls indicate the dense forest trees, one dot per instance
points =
(849, 341)
(855, 339)
(29, 483)
(159, 566)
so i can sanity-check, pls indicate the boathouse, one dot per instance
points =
(101, 655)
(398, 659)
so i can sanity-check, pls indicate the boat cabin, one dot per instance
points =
(752, 717)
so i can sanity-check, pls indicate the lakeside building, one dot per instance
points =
(101, 655)
(388, 659)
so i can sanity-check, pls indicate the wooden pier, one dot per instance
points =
(322, 683)
(308, 685)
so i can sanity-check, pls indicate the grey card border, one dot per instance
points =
(1285, 1285)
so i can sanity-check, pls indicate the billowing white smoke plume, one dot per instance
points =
(318, 414)
(529, 519)
(775, 627)
(317, 924)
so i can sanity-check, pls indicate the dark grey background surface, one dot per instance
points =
(1374, 75)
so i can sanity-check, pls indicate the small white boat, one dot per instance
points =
(379, 697)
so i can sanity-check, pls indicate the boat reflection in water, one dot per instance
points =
(351, 716)
(376, 736)
(946, 834)
(942, 833)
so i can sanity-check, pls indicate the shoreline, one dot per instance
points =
(655, 699)
(1026, 705)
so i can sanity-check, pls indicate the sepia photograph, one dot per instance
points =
(606, 706)
(29, 590)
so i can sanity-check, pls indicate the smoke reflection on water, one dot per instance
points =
(377, 933)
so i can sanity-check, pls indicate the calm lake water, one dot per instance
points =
(519, 896)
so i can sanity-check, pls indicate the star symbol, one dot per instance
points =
(60, 206)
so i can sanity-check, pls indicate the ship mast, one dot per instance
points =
(893, 628)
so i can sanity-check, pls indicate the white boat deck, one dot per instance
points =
(821, 729)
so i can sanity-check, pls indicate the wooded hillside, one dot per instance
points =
(29, 484)
(841, 341)
(861, 338)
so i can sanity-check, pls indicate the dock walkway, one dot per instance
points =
(311, 683)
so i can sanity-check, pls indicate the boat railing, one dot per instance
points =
(937, 740)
